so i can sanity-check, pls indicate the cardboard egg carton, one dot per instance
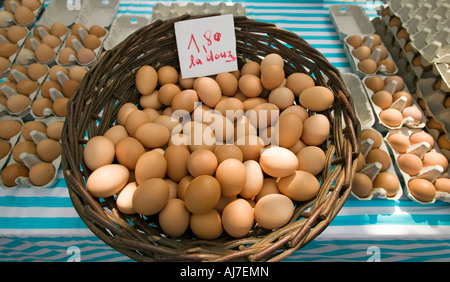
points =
(9, 91)
(399, 104)
(365, 114)
(12, 141)
(430, 173)
(29, 160)
(10, 15)
(60, 11)
(12, 58)
(165, 12)
(350, 20)
(122, 27)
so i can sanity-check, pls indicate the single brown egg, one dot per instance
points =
(23, 15)
(97, 30)
(85, 56)
(44, 53)
(367, 66)
(58, 29)
(11, 172)
(66, 54)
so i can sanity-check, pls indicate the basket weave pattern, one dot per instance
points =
(111, 82)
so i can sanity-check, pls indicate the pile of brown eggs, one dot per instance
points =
(82, 44)
(32, 157)
(180, 156)
(370, 53)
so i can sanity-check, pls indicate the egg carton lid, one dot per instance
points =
(94, 12)
(60, 11)
(165, 12)
(350, 19)
(122, 27)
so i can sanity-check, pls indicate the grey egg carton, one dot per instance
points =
(60, 11)
(165, 12)
(122, 27)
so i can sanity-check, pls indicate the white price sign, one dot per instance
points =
(206, 46)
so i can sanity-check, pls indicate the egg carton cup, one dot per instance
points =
(164, 12)
(364, 110)
(13, 57)
(12, 141)
(29, 160)
(434, 103)
(398, 104)
(60, 11)
(9, 91)
(122, 27)
(430, 173)
(77, 45)
(95, 12)
(11, 21)
(54, 95)
(373, 169)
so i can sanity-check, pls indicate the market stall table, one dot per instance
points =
(42, 225)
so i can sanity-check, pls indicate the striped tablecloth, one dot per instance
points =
(42, 225)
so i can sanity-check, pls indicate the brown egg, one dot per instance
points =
(228, 83)
(8, 49)
(272, 76)
(69, 87)
(152, 135)
(231, 104)
(8, 6)
(434, 158)
(250, 85)
(16, 33)
(5, 148)
(270, 186)
(367, 66)
(13, 171)
(177, 159)
(405, 94)
(167, 74)
(48, 149)
(376, 39)
(443, 142)
(442, 184)
(54, 130)
(150, 165)
(231, 175)
(212, 220)
(128, 151)
(399, 79)
(41, 174)
(134, 120)
(374, 83)
(354, 40)
(278, 161)
(360, 162)
(60, 106)
(382, 99)
(51, 40)
(76, 27)
(380, 156)
(202, 162)
(227, 151)
(410, 163)
(146, 80)
(202, 194)
(311, 159)
(374, 135)
(40, 104)
(46, 86)
(316, 129)
(69, 42)
(17, 103)
(23, 15)
(58, 29)
(395, 21)
(4, 64)
(37, 71)
(290, 129)
(168, 91)
(54, 70)
(389, 65)
(382, 49)
(413, 112)
(77, 73)
(271, 59)
(27, 86)
(421, 136)
(316, 98)
(273, 211)
(31, 4)
(97, 31)
(31, 125)
(399, 142)
(185, 100)
(65, 55)
(174, 218)
(21, 147)
(388, 181)
(85, 56)
(9, 128)
(98, 151)
(91, 42)
(238, 218)
(298, 82)
(362, 185)
(107, 180)
(251, 67)
(209, 91)
(422, 189)
(361, 53)
(391, 117)
(298, 110)
(299, 186)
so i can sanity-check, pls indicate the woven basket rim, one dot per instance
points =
(142, 242)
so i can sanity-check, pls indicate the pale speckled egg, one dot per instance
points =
(98, 151)
(273, 211)
(207, 226)
(278, 161)
(107, 180)
(174, 218)
(422, 189)
(150, 165)
(238, 218)
(151, 196)
(232, 176)
(202, 194)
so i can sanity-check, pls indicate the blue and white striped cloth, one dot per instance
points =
(42, 225)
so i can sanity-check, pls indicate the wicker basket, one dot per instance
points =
(111, 82)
